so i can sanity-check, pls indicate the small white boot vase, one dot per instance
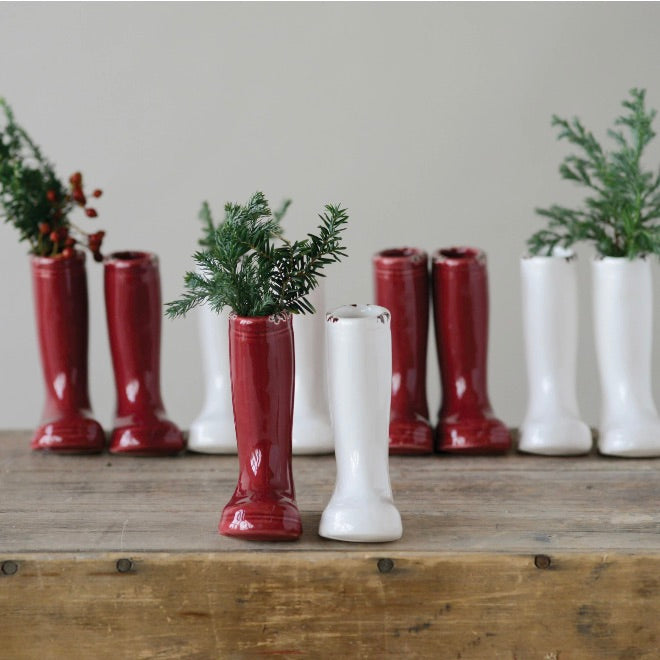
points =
(552, 424)
(360, 383)
(312, 429)
(213, 431)
(623, 319)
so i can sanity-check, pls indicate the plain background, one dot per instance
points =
(430, 122)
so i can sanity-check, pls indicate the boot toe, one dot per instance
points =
(72, 435)
(158, 438)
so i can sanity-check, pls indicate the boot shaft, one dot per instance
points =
(401, 286)
(360, 373)
(623, 328)
(261, 357)
(61, 311)
(460, 299)
(550, 325)
(133, 311)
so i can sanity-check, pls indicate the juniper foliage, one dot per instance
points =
(248, 266)
(621, 211)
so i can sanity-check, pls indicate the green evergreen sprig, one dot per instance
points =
(620, 215)
(34, 200)
(248, 266)
(209, 225)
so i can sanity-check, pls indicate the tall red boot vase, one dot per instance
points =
(261, 359)
(466, 423)
(133, 310)
(60, 299)
(401, 282)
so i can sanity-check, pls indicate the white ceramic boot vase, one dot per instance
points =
(213, 430)
(312, 430)
(360, 383)
(623, 320)
(552, 424)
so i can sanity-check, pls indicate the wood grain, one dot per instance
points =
(514, 503)
(326, 605)
(503, 557)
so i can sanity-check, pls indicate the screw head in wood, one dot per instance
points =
(9, 567)
(385, 565)
(542, 561)
(124, 565)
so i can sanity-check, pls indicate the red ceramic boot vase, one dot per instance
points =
(133, 310)
(401, 283)
(261, 360)
(60, 299)
(460, 296)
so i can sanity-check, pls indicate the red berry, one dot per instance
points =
(51, 196)
(76, 179)
(44, 228)
(79, 196)
(97, 193)
(67, 253)
(54, 236)
(70, 241)
(91, 213)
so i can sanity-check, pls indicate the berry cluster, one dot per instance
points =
(55, 238)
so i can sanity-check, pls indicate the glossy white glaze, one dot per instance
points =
(312, 430)
(623, 319)
(360, 373)
(552, 424)
(213, 432)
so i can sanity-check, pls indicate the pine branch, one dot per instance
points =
(242, 267)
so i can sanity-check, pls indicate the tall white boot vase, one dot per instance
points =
(360, 383)
(552, 423)
(312, 430)
(213, 430)
(623, 319)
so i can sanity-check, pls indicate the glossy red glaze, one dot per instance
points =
(261, 359)
(401, 282)
(460, 295)
(133, 310)
(60, 300)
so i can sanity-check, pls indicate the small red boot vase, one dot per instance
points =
(460, 296)
(261, 358)
(401, 282)
(60, 301)
(133, 310)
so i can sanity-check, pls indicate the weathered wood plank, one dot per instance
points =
(327, 604)
(516, 503)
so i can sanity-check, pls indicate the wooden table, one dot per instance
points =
(502, 557)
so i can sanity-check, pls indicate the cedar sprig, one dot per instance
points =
(620, 214)
(34, 199)
(248, 266)
(209, 225)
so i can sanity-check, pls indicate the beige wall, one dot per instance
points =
(429, 121)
